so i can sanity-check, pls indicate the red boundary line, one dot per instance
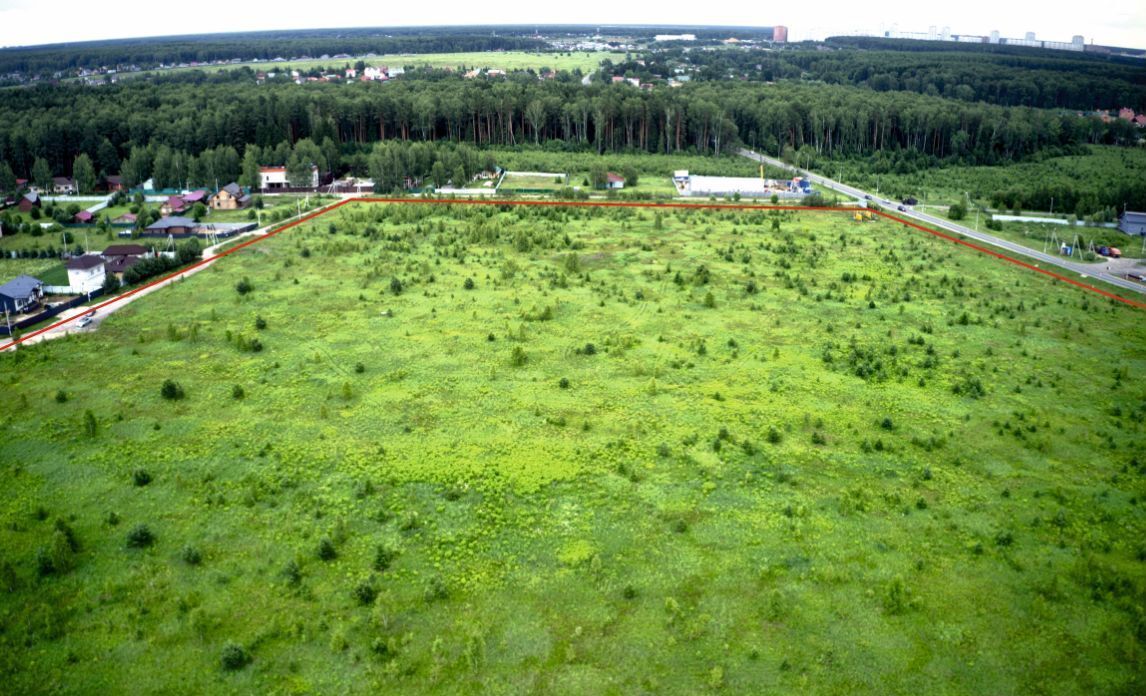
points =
(575, 204)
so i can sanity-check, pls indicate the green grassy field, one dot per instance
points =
(671, 452)
(503, 60)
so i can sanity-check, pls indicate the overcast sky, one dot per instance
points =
(29, 22)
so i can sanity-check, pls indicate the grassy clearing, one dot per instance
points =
(642, 451)
(502, 60)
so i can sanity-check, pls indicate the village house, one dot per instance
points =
(83, 217)
(614, 182)
(21, 295)
(230, 197)
(63, 185)
(120, 257)
(113, 183)
(173, 226)
(28, 201)
(173, 205)
(193, 197)
(276, 178)
(86, 273)
(1133, 223)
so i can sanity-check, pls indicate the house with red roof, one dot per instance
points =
(174, 205)
(614, 181)
(28, 201)
(83, 217)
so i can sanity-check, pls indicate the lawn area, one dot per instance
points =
(533, 182)
(469, 449)
(274, 207)
(1049, 237)
(11, 268)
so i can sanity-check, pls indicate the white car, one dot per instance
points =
(84, 321)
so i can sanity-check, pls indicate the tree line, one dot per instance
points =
(46, 60)
(1018, 77)
(199, 131)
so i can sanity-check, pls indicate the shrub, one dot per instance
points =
(518, 357)
(237, 392)
(384, 555)
(589, 349)
(326, 550)
(469, 284)
(292, 573)
(260, 323)
(564, 383)
(244, 286)
(435, 590)
(235, 657)
(91, 426)
(191, 555)
(774, 435)
(971, 387)
(61, 396)
(58, 557)
(365, 592)
(140, 477)
(887, 424)
(171, 390)
(140, 537)
(359, 368)
(395, 286)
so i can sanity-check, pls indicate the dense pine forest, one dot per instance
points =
(1010, 77)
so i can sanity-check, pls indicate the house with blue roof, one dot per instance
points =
(21, 295)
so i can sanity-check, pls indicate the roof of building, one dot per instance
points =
(32, 197)
(113, 179)
(84, 216)
(194, 196)
(1131, 216)
(20, 286)
(173, 221)
(233, 189)
(127, 217)
(176, 202)
(83, 263)
(119, 264)
(614, 178)
(125, 250)
(272, 169)
(62, 180)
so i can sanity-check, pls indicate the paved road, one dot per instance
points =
(1086, 270)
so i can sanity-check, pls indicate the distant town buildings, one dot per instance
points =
(1077, 42)
(780, 34)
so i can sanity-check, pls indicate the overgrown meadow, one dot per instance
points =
(414, 448)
